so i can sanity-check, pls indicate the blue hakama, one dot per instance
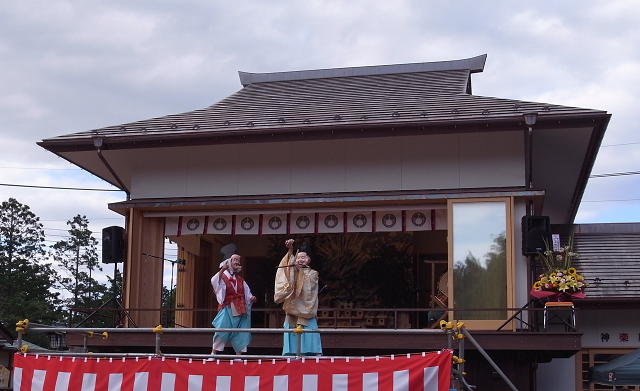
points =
(225, 320)
(310, 342)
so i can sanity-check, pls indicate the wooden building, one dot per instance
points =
(609, 315)
(398, 175)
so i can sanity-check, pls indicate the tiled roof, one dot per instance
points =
(609, 258)
(412, 98)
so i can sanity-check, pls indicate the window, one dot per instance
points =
(480, 261)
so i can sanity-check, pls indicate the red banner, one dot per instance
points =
(418, 372)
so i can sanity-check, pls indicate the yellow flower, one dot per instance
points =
(537, 285)
(572, 270)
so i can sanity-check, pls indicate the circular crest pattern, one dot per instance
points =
(247, 223)
(275, 222)
(389, 220)
(303, 222)
(219, 224)
(331, 221)
(359, 220)
(193, 224)
(418, 219)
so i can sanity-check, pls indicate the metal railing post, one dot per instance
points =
(158, 343)
(461, 355)
(486, 356)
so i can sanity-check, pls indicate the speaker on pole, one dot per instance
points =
(536, 235)
(113, 244)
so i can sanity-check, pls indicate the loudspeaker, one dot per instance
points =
(113, 244)
(535, 231)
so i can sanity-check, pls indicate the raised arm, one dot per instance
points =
(289, 244)
(283, 285)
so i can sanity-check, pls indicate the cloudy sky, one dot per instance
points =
(71, 66)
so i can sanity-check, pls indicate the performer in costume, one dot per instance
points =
(234, 302)
(296, 286)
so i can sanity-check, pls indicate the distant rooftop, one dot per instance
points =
(474, 64)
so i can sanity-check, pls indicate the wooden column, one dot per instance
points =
(193, 284)
(143, 274)
(205, 297)
(185, 292)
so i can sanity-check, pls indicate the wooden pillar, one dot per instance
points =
(205, 298)
(193, 287)
(143, 274)
(185, 292)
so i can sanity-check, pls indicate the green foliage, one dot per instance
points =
(26, 282)
(78, 259)
(115, 283)
(482, 285)
(168, 302)
(558, 260)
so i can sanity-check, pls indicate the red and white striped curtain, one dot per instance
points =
(418, 372)
(308, 222)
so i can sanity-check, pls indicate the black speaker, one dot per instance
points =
(535, 232)
(113, 244)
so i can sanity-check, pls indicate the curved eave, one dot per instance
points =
(85, 142)
(590, 158)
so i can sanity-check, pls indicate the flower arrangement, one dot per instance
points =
(560, 277)
(560, 280)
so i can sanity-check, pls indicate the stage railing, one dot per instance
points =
(159, 331)
(528, 317)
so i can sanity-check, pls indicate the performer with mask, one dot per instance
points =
(296, 286)
(234, 302)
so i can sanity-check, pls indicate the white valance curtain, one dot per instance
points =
(310, 222)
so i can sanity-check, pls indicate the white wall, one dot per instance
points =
(623, 329)
(475, 160)
(622, 326)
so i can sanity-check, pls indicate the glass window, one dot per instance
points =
(479, 259)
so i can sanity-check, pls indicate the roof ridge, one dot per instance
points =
(473, 64)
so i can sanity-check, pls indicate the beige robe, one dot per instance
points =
(298, 290)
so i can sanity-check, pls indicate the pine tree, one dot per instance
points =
(78, 258)
(27, 283)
